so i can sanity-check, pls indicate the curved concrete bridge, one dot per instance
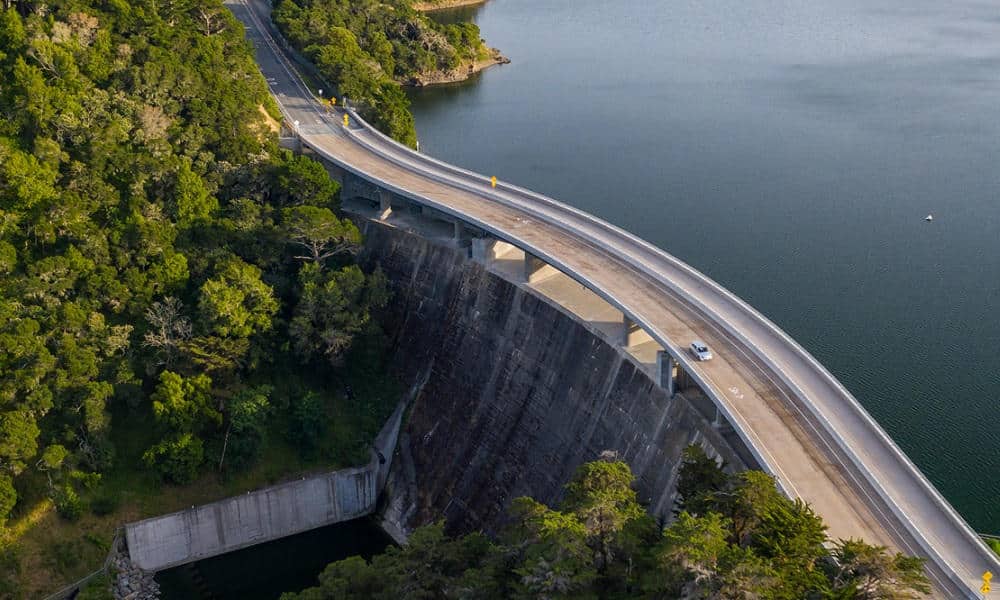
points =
(800, 423)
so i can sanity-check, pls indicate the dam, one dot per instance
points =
(797, 421)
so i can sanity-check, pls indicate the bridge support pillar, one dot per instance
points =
(483, 250)
(536, 269)
(634, 334)
(720, 423)
(459, 232)
(384, 204)
(665, 372)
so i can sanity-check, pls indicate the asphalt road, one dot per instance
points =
(802, 425)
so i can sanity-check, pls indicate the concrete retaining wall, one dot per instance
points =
(264, 515)
(211, 529)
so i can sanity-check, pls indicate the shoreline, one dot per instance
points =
(459, 74)
(443, 4)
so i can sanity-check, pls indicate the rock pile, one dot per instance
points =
(131, 582)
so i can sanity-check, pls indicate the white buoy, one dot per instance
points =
(929, 218)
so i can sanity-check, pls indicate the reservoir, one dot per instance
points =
(791, 151)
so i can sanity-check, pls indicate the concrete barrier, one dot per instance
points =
(260, 516)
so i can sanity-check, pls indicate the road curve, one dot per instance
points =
(801, 424)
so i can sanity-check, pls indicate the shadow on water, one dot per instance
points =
(460, 14)
(264, 572)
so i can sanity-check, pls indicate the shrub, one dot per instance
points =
(99, 541)
(89, 481)
(63, 556)
(176, 458)
(68, 503)
(104, 504)
(308, 424)
(10, 568)
(98, 588)
(8, 497)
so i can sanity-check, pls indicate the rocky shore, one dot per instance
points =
(443, 4)
(461, 73)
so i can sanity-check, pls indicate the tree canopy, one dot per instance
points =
(159, 253)
(368, 48)
(746, 542)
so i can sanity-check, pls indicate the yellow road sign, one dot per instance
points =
(987, 576)
(347, 120)
(493, 181)
(985, 589)
(333, 101)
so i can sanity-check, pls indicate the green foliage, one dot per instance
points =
(318, 233)
(18, 435)
(145, 263)
(10, 564)
(176, 458)
(599, 543)
(184, 405)
(248, 415)
(64, 556)
(700, 478)
(367, 48)
(101, 543)
(8, 497)
(98, 588)
(301, 181)
(192, 202)
(308, 423)
(333, 308)
(992, 543)
(53, 457)
(68, 503)
(873, 573)
(105, 503)
(236, 303)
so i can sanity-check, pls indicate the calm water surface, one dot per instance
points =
(265, 571)
(790, 150)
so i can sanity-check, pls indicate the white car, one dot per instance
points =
(700, 350)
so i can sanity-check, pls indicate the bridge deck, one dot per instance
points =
(803, 429)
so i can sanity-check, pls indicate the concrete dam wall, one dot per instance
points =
(511, 393)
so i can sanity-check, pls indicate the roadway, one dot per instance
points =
(801, 424)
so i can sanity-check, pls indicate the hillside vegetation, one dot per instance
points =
(178, 299)
(735, 537)
(367, 48)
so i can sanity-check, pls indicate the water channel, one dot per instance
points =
(791, 151)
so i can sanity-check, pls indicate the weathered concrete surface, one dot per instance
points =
(514, 393)
(211, 529)
(234, 523)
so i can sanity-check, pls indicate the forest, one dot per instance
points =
(368, 48)
(179, 301)
(734, 537)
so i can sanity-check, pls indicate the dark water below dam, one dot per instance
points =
(790, 150)
(266, 571)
